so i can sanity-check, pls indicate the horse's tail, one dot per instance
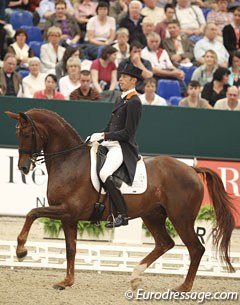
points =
(223, 207)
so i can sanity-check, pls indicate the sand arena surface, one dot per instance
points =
(26, 286)
(34, 287)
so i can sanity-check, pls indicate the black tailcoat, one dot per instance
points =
(122, 127)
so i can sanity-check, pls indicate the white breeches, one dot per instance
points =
(113, 161)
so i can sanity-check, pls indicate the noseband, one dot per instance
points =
(32, 152)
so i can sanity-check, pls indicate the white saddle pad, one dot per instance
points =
(139, 185)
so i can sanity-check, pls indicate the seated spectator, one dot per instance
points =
(49, 92)
(147, 28)
(71, 32)
(190, 18)
(85, 91)
(162, 27)
(220, 16)
(101, 30)
(122, 46)
(35, 79)
(231, 102)
(83, 11)
(47, 8)
(133, 21)
(217, 88)
(10, 80)
(151, 10)
(210, 42)
(71, 81)
(234, 68)
(193, 98)
(138, 61)
(51, 53)
(231, 33)
(162, 66)
(149, 97)
(13, 5)
(61, 66)
(104, 70)
(204, 73)
(180, 49)
(22, 51)
(119, 9)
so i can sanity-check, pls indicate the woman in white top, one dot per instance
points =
(150, 97)
(70, 82)
(22, 51)
(101, 30)
(35, 81)
(51, 53)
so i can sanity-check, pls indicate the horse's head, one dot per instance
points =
(29, 139)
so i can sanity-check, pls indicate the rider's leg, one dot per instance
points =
(113, 161)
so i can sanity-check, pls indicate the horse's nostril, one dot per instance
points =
(24, 169)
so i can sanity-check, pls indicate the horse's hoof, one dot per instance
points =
(21, 255)
(135, 283)
(181, 288)
(58, 287)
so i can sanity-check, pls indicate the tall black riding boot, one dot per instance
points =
(119, 203)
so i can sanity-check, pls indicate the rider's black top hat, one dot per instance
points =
(131, 70)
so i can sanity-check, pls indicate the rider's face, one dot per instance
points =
(127, 82)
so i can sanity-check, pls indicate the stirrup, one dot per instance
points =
(120, 220)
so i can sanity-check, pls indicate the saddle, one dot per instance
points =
(121, 179)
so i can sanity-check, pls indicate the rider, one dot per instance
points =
(119, 138)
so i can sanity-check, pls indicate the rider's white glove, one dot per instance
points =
(95, 137)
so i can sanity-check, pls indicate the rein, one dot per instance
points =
(42, 157)
(39, 156)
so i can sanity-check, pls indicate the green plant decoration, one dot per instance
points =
(53, 227)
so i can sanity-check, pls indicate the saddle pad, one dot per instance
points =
(139, 185)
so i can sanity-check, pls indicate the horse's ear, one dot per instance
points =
(12, 115)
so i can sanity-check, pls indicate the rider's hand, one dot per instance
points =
(95, 137)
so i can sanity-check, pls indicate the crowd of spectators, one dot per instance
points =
(86, 43)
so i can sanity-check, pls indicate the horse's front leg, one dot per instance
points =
(70, 231)
(55, 212)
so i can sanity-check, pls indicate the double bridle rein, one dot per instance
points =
(37, 155)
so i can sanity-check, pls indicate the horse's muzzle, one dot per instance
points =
(25, 166)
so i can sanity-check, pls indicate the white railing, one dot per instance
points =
(102, 257)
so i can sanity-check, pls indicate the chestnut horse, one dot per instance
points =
(174, 190)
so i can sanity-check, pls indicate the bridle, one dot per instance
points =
(37, 155)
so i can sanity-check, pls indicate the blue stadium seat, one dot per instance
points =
(167, 88)
(34, 33)
(206, 11)
(23, 73)
(21, 17)
(36, 46)
(188, 73)
(174, 100)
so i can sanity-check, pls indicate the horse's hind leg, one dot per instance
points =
(185, 230)
(70, 231)
(163, 242)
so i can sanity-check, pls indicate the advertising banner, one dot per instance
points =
(230, 175)
(20, 193)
